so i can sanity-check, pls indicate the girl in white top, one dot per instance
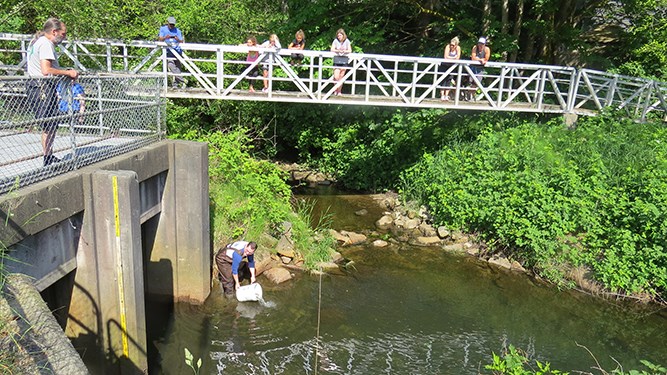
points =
(341, 45)
(273, 42)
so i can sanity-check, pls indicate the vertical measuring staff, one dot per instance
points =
(119, 269)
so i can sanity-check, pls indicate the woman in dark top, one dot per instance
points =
(480, 53)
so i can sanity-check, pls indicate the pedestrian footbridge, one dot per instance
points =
(220, 72)
(124, 212)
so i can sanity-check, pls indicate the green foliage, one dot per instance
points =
(368, 155)
(646, 38)
(553, 198)
(225, 21)
(321, 244)
(252, 193)
(249, 197)
(516, 362)
(513, 362)
(653, 370)
(371, 150)
(189, 360)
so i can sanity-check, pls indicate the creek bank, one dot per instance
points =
(300, 175)
(401, 224)
(410, 223)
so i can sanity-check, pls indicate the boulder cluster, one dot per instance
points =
(409, 223)
(402, 223)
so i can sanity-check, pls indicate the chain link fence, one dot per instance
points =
(49, 126)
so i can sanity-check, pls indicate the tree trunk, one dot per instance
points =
(486, 17)
(516, 33)
(505, 23)
(531, 42)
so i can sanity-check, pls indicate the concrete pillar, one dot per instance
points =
(182, 240)
(108, 307)
(570, 120)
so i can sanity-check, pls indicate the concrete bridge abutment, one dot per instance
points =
(134, 225)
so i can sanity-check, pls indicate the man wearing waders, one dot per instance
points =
(232, 268)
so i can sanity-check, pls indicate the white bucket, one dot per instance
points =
(252, 292)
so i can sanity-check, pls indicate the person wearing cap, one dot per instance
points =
(172, 35)
(481, 54)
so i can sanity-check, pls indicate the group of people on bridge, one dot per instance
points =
(341, 46)
(47, 99)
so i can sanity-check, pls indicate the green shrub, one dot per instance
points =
(516, 362)
(555, 198)
(250, 197)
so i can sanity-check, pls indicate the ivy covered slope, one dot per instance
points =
(564, 202)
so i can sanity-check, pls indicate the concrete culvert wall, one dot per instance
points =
(31, 340)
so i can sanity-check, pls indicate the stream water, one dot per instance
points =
(402, 310)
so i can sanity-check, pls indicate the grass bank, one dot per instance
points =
(250, 199)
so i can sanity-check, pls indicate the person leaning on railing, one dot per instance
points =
(272, 42)
(341, 46)
(252, 56)
(172, 35)
(481, 54)
(452, 52)
(41, 92)
(299, 43)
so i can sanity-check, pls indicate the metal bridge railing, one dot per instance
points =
(115, 115)
(221, 72)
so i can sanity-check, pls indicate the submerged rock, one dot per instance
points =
(353, 237)
(348, 238)
(500, 262)
(380, 243)
(426, 241)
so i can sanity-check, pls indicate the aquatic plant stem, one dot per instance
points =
(319, 309)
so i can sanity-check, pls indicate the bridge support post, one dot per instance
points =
(570, 120)
(182, 235)
(109, 282)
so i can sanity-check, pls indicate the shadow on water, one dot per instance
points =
(405, 310)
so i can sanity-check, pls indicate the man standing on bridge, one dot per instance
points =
(172, 35)
(41, 90)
